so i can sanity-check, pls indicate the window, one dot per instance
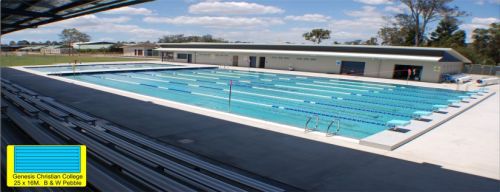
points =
(181, 56)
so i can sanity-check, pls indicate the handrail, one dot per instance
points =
(330, 125)
(307, 122)
(306, 128)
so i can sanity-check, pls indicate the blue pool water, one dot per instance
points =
(69, 68)
(363, 108)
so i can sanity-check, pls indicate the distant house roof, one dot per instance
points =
(33, 47)
(148, 45)
(96, 43)
(365, 51)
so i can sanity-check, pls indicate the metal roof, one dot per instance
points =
(22, 14)
(444, 54)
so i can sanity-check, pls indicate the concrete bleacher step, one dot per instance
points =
(139, 170)
(71, 111)
(185, 172)
(194, 161)
(99, 178)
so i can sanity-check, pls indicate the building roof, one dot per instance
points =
(389, 52)
(96, 43)
(18, 15)
(150, 45)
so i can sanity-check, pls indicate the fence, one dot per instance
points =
(482, 69)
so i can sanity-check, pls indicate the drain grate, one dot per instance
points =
(400, 130)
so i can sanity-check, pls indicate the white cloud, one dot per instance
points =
(366, 11)
(93, 24)
(232, 8)
(482, 2)
(216, 22)
(129, 11)
(374, 2)
(364, 24)
(309, 17)
(401, 8)
(293, 35)
(477, 22)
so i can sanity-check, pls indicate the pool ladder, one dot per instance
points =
(306, 127)
(337, 121)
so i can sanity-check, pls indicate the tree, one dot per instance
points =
(371, 41)
(69, 36)
(180, 38)
(317, 35)
(447, 34)
(355, 42)
(12, 43)
(23, 42)
(423, 12)
(397, 31)
(487, 44)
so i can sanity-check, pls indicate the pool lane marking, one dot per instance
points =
(187, 75)
(311, 89)
(244, 101)
(244, 72)
(330, 86)
(320, 103)
(315, 95)
(217, 75)
(329, 83)
(360, 83)
(261, 95)
(226, 73)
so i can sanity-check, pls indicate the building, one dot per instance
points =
(56, 49)
(139, 50)
(414, 63)
(32, 49)
(93, 45)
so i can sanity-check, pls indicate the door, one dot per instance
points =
(352, 68)
(410, 72)
(253, 61)
(139, 52)
(235, 60)
(262, 62)
(190, 58)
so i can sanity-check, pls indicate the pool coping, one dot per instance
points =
(384, 140)
(390, 140)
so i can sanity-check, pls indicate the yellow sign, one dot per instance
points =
(46, 166)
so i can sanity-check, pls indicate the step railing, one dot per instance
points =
(308, 120)
(337, 121)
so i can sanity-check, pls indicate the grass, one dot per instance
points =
(13, 60)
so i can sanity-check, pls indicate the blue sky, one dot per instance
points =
(261, 21)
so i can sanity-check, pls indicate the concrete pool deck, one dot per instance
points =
(304, 163)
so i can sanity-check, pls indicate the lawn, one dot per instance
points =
(13, 60)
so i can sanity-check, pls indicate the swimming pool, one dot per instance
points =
(362, 108)
(86, 67)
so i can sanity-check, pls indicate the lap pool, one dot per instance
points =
(361, 108)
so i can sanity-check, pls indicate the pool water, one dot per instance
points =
(79, 68)
(362, 108)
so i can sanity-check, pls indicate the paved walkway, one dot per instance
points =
(469, 142)
(303, 163)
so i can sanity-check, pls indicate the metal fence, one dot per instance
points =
(482, 69)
